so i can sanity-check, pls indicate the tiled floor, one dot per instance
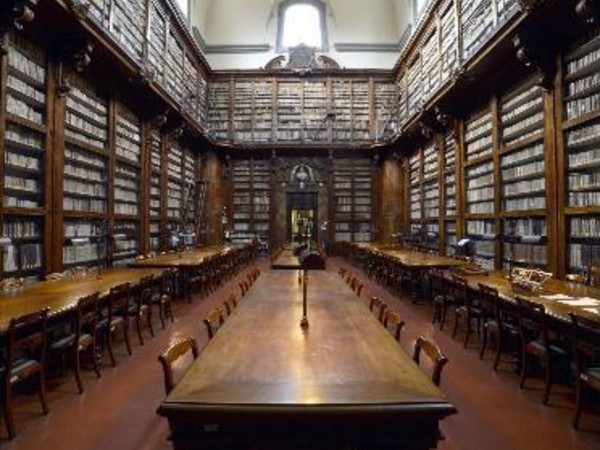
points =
(117, 412)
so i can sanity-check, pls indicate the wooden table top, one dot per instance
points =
(286, 260)
(261, 358)
(414, 259)
(61, 295)
(185, 258)
(497, 279)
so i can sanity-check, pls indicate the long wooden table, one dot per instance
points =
(414, 259)
(286, 260)
(344, 382)
(554, 307)
(62, 295)
(183, 259)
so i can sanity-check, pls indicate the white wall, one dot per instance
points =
(254, 22)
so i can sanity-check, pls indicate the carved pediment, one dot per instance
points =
(303, 59)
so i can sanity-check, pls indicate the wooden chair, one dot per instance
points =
(435, 355)
(467, 308)
(24, 358)
(140, 307)
(82, 337)
(392, 321)
(213, 322)
(230, 304)
(585, 338)
(176, 350)
(163, 298)
(115, 317)
(377, 307)
(358, 288)
(438, 296)
(536, 343)
(496, 322)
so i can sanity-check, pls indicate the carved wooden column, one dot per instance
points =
(389, 220)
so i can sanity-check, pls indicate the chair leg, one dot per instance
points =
(499, 346)
(161, 314)
(443, 313)
(169, 310)
(126, 337)
(456, 319)
(138, 328)
(523, 369)
(149, 318)
(483, 342)
(468, 332)
(42, 391)
(92, 353)
(578, 403)
(111, 354)
(77, 368)
(548, 381)
(8, 416)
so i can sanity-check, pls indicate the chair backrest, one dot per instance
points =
(490, 302)
(118, 300)
(438, 282)
(434, 353)
(458, 290)
(213, 321)
(26, 336)
(585, 338)
(358, 288)
(374, 303)
(144, 289)
(176, 350)
(393, 322)
(532, 320)
(168, 279)
(86, 315)
(230, 303)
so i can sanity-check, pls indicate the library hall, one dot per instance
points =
(300, 224)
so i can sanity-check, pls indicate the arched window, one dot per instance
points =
(301, 22)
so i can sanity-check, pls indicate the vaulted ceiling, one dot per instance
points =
(242, 34)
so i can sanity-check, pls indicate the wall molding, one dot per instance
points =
(227, 48)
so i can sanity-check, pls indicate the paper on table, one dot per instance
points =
(581, 301)
(592, 310)
(557, 297)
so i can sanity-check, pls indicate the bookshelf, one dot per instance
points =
(450, 175)
(85, 242)
(174, 185)
(483, 232)
(414, 87)
(385, 109)
(581, 143)
(477, 19)
(525, 242)
(128, 151)
(157, 39)
(361, 110)
(430, 70)
(243, 111)
(289, 110)
(416, 203)
(25, 143)
(263, 110)
(127, 25)
(125, 241)
(352, 200)
(316, 106)
(219, 104)
(342, 101)
(448, 40)
(251, 200)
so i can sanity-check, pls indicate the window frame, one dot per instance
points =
(321, 8)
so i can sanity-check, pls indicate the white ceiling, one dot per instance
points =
(241, 34)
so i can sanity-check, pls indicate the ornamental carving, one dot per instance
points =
(301, 59)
